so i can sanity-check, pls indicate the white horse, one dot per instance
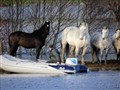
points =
(100, 42)
(77, 38)
(116, 43)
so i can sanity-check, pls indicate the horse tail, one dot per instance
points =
(95, 51)
(1, 47)
(9, 40)
(67, 50)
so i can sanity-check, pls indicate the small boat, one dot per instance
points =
(16, 65)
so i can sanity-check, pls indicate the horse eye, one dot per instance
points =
(47, 25)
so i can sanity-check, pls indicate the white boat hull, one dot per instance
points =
(12, 64)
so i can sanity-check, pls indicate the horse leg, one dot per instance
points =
(76, 51)
(101, 55)
(106, 55)
(92, 53)
(118, 55)
(13, 50)
(93, 56)
(63, 52)
(38, 49)
(72, 51)
(83, 54)
(95, 53)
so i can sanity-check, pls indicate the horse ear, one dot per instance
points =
(47, 22)
(81, 21)
(118, 29)
(104, 27)
(86, 24)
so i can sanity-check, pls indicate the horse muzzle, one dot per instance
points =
(81, 38)
(117, 38)
(103, 38)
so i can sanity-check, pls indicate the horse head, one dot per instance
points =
(47, 27)
(83, 30)
(105, 33)
(117, 36)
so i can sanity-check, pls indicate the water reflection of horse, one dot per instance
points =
(100, 42)
(77, 38)
(36, 39)
(116, 43)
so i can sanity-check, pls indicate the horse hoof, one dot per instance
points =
(82, 63)
(63, 61)
(36, 60)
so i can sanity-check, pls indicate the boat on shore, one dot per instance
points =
(12, 64)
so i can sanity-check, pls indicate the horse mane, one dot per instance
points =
(118, 29)
(39, 31)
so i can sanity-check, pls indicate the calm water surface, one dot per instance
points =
(102, 80)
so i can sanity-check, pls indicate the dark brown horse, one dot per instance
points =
(36, 39)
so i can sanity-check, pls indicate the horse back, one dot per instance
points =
(69, 32)
(19, 38)
(14, 37)
(95, 37)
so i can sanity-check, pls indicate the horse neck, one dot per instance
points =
(117, 35)
(107, 40)
(107, 37)
(85, 28)
(40, 31)
(86, 34)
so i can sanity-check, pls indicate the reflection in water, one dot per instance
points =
(102, 80)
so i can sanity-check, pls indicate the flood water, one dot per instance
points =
(101, 80)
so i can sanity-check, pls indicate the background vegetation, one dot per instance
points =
(29, 15)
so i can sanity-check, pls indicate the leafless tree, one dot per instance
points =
(28, 17)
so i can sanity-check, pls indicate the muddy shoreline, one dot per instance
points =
(111, 65)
